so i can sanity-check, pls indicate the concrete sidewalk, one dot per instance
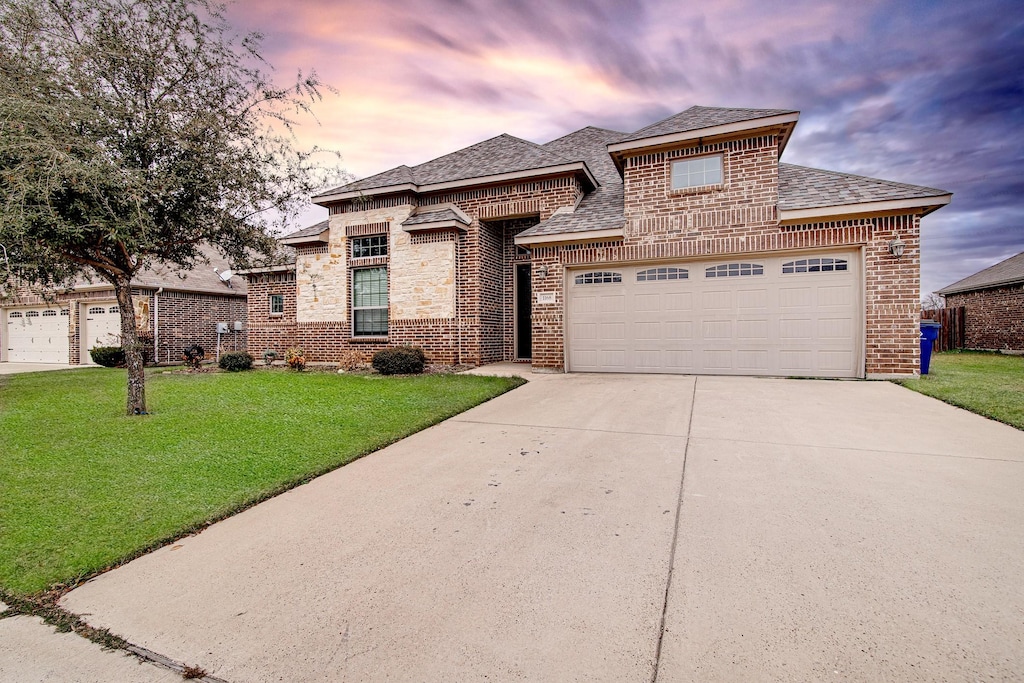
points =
(846, 530)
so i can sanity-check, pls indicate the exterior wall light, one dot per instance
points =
(897, 247)
(543, 270)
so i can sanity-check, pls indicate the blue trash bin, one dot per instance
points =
(929, 333)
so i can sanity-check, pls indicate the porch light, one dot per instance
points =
(896, 247)
(543, 270)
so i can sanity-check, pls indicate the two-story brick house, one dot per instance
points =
(685, 247)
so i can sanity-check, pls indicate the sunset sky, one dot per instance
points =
(930, 93)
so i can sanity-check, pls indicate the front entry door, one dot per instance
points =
(524, 309)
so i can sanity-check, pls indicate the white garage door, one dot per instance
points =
(101, 326)
(37, 335)
(778, 315)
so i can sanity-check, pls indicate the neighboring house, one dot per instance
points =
(684, 247)
(177, 309)
(993, 300)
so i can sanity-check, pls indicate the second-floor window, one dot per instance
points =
(276, 304)
(697, 172)
(362, 247)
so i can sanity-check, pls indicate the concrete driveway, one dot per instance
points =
(19, 368)
(618, 528)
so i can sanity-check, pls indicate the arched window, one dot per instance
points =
(666, 273)
(598, 278)
(815, 265)
(735, 270)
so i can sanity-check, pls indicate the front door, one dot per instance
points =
(524, 309)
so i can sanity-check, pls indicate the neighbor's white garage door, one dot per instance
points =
(37, 335)
(101, 326)
(788, 316)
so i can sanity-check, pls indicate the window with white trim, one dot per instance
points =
(277, 304)
(734, 270)
(598, 278)
(364, 247)
(370, 302)
(697, 172)
(815, 265)
(666, 273)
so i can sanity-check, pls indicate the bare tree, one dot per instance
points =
(133, 132)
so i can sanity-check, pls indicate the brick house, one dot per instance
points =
(177, 309)
(684, 247)
(993, 300)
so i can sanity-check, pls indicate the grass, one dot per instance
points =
(990, 384)
(83, 487)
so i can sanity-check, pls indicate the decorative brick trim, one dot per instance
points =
(311, 250)
(433, 237)
(367, 229)
(855, 223)
(368, 261)
(355, 206)
(743, 145)
(538, 186)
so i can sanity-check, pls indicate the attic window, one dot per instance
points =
(697, 172)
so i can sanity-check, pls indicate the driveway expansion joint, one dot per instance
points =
(570, 429)
(675, 539)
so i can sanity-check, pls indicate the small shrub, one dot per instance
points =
(269, 356)
(108, 356)
(399, 360)
(296, 359)
(236, 361)
(193, 355)
(350, 359)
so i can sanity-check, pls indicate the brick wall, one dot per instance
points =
(266, 331)
(184, 318)
(994, 318)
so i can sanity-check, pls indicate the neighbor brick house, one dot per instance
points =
(684, 247)
(993, 300)
(175, 309)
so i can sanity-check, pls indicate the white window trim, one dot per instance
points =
(695, 188)
(386, 307)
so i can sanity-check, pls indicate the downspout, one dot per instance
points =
(156, 325)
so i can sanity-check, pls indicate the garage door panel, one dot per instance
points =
(37, 335)
(744, 320)
(678, 302)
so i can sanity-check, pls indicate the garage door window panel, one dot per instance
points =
(598, 278)
(815, 265)
(15, 314)
(667, 273)
(734, 270)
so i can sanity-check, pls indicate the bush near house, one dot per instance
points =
(399, 360)
(107, 356)
(235, 361)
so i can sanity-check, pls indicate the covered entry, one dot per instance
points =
(797, 315)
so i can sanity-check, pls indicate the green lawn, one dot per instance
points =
(82, 486)
(989, 384)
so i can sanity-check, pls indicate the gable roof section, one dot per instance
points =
(806, 193)
(500, 157)
(1002, 274)
(313, 233)
(702, 122)
(601, 211)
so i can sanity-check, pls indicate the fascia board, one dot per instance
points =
(712, 131)
(587, 236)
(928, 204)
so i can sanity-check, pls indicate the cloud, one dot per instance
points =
(929, 93)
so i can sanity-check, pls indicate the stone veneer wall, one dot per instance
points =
(994, 318)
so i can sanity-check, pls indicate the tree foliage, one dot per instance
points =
(134, 132)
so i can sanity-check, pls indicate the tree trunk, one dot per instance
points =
(132, 349)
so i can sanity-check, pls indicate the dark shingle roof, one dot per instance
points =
(697, 117)
(1008, 272)
(602, 209)
(201, 278)
(434, 217)
(311, 231)
(808, 188)
(501, 154)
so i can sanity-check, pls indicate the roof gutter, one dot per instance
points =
(582, 236)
